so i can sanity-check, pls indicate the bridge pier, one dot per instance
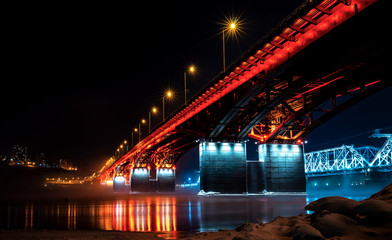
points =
(162, 180)
(224, 168)
(119, 184)
(284, 169)
(166, 180)
(140, 180)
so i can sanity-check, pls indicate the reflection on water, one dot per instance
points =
(130, 215)
(147, 214)
(150, 213)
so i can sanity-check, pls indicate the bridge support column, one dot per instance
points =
(119, 184)
(140, 180)
(256, 177)
(284, 167)
(166, 180)
(222, 167)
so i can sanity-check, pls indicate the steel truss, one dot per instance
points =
(384, 156)
(334, 159)
(348, 158)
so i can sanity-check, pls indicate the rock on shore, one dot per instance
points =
(333, 218)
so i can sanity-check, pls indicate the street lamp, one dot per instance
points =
(231, 28)
(190, 70)
(168, 94)
(143, 121)
(134, 130)
(154, 110)
(126, 145)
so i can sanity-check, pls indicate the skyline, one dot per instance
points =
(98, 103)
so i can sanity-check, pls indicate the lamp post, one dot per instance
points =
(126, 146)
(168, 94)
(143, 121)
(153, 111)
(134, 130)
(232, 27)
(191, 70)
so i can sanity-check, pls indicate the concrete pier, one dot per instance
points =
(224, 168)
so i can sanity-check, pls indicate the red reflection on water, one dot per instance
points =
(29, 213)
(152, 214)
(174, 217)
(144, 216)
(131, 215)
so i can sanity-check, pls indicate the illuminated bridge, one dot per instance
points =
(349, 159)
(321, 59)
(348, 168)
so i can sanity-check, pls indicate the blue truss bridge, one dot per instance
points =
(348, 159)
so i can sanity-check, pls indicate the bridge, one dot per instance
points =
(349, 159)
(321, 59)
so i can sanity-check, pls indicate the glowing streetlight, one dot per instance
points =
(191, 70)
(143, 121)
(117, 153)
(154, 110)
(231, 27)
(121, 150)
(126, 145)
(134, 130)
(168, 94)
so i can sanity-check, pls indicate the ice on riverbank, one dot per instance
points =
(333, 217)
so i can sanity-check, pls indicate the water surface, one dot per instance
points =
(142, 212)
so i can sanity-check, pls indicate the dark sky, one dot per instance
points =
(78, 77)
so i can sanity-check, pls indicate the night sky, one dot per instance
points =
(77, 78)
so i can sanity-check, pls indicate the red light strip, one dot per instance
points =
(319, 86)
(274, 58)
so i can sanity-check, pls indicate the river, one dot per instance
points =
(145, 212)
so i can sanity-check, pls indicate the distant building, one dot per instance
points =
(66, 164)
(19, 155)
(41, 160)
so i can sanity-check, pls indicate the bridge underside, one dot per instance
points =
(337, 65)
(335, 72)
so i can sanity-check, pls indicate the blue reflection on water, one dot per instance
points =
(190, 212)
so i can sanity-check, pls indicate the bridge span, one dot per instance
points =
(349, 159)
(321, 59)
(348, 168)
